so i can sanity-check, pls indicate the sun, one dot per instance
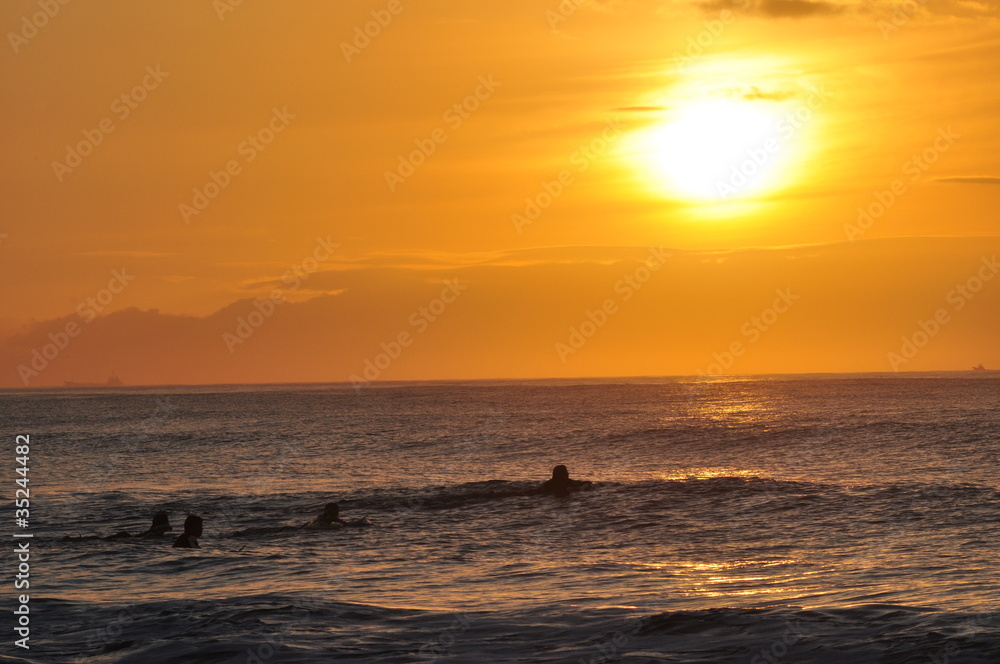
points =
(716, 150)
(721, 140)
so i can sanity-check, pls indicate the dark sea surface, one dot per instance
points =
(819, 519)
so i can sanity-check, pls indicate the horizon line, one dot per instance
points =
(425, 381)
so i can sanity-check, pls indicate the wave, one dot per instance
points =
(309, 628)
(442, 497)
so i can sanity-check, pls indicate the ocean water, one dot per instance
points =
(819, 519)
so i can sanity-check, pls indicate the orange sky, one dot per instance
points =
(556, 159)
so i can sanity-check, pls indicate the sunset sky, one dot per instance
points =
(518, 189)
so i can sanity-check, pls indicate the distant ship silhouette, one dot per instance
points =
(980, 368)
(113, 381)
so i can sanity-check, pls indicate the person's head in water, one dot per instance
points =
(561, 483)
(331, 511)
(192, 531)
(193, 525)
(161, 524)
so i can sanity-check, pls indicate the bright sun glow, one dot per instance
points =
(719, 139)
(717, 150)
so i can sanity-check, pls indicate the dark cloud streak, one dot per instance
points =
(970, 179)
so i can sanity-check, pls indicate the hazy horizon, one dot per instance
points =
(569, 380)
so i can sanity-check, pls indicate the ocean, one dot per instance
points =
(761, 520)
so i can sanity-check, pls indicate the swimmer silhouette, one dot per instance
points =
(561, 484)
(328, 520)
(192, 531)
(161, 524)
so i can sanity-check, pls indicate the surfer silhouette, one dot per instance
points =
(159, 528)
(192, 531)
(328, 519)
(561, 484)
(161, 525)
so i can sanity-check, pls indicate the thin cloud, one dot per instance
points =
(756, 94)
(970, 179)
(124, 253)
(641, 109)
(797, 8)
(776, 8)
